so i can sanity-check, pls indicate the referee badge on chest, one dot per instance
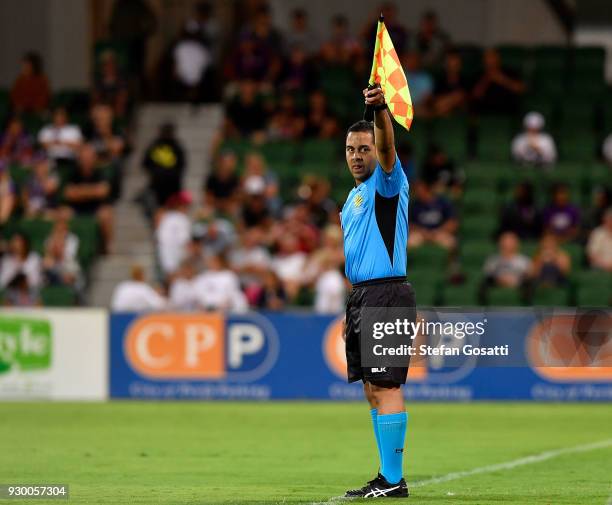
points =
(359, 203)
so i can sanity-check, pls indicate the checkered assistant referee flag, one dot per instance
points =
(387, 71)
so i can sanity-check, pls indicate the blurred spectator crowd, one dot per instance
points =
(508, 157)
(61, 158)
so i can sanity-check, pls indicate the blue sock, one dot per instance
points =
(374, 414)
(392, 433)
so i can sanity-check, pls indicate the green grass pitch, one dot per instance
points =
(267, 453)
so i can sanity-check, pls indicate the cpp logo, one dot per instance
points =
(201, 346)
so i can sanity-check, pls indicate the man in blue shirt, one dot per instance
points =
(375, 227)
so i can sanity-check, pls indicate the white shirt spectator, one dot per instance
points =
(533, 146)
(11, 266)
(63, 134)
(136, 296)
(219, 290)
(173, 234)
(516, 267)
(191, 59)
(290, 268)
(183, 295)
(607, 149)
(330, 293)
(599, 248)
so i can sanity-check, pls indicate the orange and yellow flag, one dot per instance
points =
(387, 71)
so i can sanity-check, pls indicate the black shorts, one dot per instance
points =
(394, 292)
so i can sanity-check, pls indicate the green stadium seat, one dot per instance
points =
(58, 296)
(20, 175)
(319, 151)
(480, 200)
(461, 295)
(542, 103)
(515, 57)
(426, 283)
(473, 253)
(594, 289)
(451, 134)
(279, 152)
(552, 58)
(37, 231)
(494, 137)
(86, 229)
(589, 59)
(576, 253)
(576, 145)
(478, 226)
(551, 297)
(503, 297)
(428, 256)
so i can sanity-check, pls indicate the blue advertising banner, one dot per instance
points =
(522, 354)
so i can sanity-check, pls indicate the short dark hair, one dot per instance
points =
(361, 126)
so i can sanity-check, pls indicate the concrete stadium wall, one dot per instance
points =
(57, 29)
(484, 22)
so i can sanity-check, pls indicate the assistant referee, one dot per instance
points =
(375, 227)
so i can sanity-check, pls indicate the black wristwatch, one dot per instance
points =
(380, 107)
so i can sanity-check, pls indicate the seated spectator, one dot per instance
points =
(182, 293)
(602, 201)
(432, 219)
(194, 255)
(509, 268)
(330, 292)
(289, 264)
(164, 160)
(521, 216)
(533, 146)
(245, 115)
(320, 121)
(61, 233)
(561, 218)
(216, 234)
(399, 35)
(192, 59)
(87, 193)
(297, 221)
(271, 296)
(104, 136)
(16, 145)
(222, 185)
(255, 167)
(440, 172)
(20, 294)
(342, 47)
(218, 288)
(300, 34)
(60, 268)
(20, 259)
(314, 191)
(60, 139)
(551, 265)
(250, 260)
(451, 89)
(607, 149)
(40, 196)
(173, 232)
(498, 88)
(255, 207)
(8, 197)
(30, 92)
(298, 75)
(136, 295)
(431, 40)
(208, 27)
(599, 246)
(419, 80)
(286, 122)
(110, 87)
(405, 153)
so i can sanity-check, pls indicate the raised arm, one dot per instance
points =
(383, 129)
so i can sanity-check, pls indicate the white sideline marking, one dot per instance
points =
(508, 465)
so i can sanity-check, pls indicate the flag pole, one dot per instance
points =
(368, 113)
